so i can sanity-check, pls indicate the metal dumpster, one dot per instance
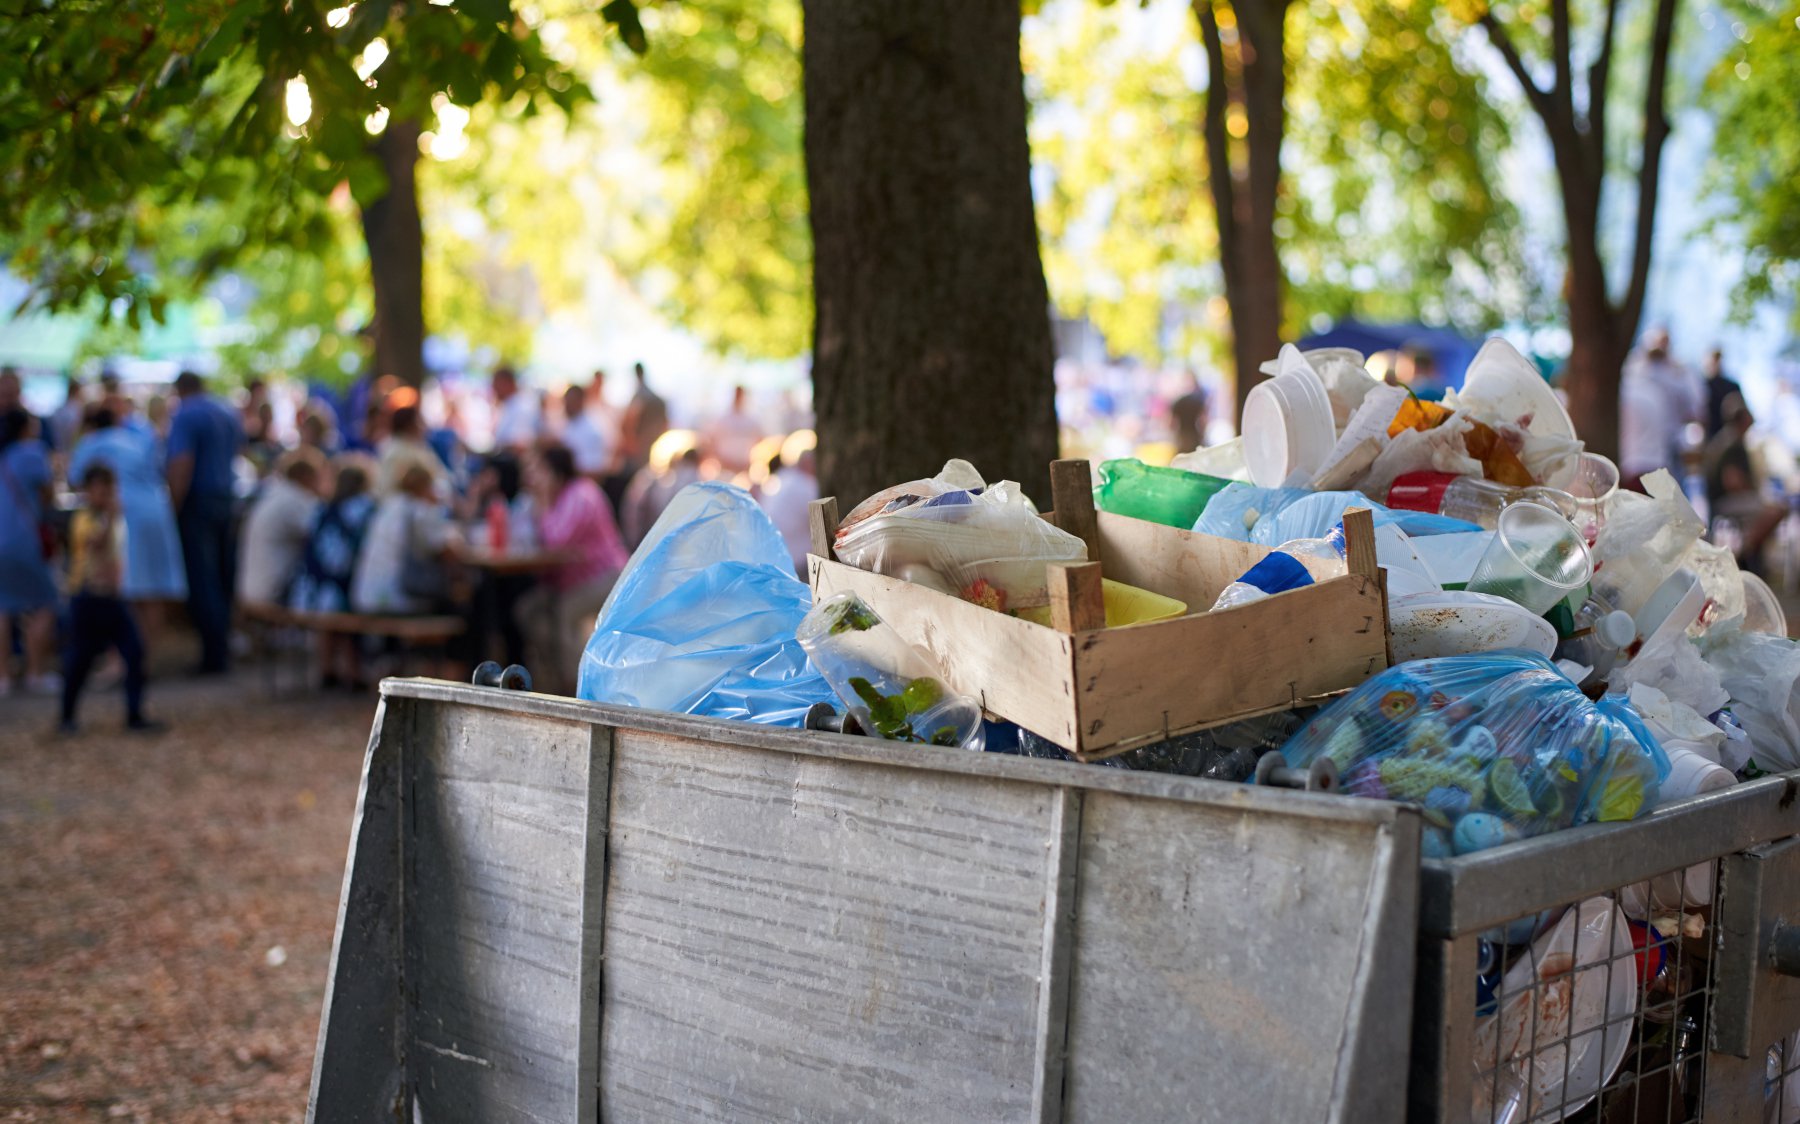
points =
(555, 910)
(1683, 1023)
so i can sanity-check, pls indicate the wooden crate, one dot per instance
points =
(1100, 691)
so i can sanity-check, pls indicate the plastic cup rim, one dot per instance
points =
(1574, 536)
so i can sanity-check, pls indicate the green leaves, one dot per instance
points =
(623, 14)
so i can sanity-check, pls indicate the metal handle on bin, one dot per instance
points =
(823, 716)
(1320, 776)
(513, 677)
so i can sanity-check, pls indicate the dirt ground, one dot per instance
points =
(167, 902)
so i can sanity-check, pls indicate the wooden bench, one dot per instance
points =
(411, 632)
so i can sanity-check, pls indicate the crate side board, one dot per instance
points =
(1155, 680)
(1185, 565)
(1014, 668)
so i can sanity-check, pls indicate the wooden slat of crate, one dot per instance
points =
(1148, 681)
(1011, 666)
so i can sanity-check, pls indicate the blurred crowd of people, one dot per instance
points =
(513, 508)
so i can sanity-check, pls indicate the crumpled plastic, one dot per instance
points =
(1673, 665)
(1717, 569)
(1643, 541)
(1440, 449)
(702, 620)
(1493, 747)
(1675, 724)
(1762, 674)
(958, 535)
(1272, 516)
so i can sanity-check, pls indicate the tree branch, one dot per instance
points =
(1497, 35)
(1218, 142)
(1562, 47)
(1656, 130)
(1598, 76)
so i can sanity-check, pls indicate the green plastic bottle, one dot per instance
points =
(1170, 496)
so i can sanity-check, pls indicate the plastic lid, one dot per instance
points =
(1616, 629)
(1287, 424)
(1420, 491)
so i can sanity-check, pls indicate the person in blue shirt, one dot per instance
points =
(205, 437)
(153, 567)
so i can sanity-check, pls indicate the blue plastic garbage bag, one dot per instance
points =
(1272, 516)
(1493, 747)
(702, 620)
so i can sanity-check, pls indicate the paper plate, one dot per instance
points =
(1427, 625)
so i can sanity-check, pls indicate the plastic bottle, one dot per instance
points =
(1293, 564)
(1470, 498)
(1599, 636)
(497, 525)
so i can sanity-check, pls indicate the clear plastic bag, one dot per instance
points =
(957, 535)
(1762, 675)
(887, 683)
(1276, 515)
(1494, 747)
(702, 620)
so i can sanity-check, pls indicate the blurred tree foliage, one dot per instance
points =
(1753, 91)
(1388, 206)
(118, 115)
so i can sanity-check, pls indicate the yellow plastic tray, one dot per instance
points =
(1125, 604)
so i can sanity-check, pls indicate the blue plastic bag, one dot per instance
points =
(1493, 747)
(1272, 516)
(702, 620)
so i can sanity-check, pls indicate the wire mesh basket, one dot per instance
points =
(1578, 976)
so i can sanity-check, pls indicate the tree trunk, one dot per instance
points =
(1247, 72)
(931, 336)
(396, 242)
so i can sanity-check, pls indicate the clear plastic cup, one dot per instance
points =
(1536, 559)
(1595, 480)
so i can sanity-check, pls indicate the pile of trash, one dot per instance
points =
(1564, 651)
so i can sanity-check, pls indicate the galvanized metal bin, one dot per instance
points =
(1690, 1018)
(561, 911)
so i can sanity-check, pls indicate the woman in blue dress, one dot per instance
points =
(153, 568)
(27, 589)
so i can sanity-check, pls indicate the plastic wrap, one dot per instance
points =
(702, 620)
(1643, 541)
(1762, 674)
(1275, 515)
(1494, 747)
(887, 683)
(957, 535)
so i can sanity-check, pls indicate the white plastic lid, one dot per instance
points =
(1616, 629)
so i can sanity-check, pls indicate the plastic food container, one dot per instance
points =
(1504, 385)
(1536, 559)
(1454, 623)
(1288, 431)
(1125, 604)
(1675, 605)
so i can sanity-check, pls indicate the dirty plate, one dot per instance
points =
(1427, 625)
(1564, 1021)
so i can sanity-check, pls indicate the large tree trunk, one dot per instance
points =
(396, 242)
(932, 331)
(1247, 72)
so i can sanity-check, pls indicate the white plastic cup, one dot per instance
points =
(1287, 425)
(1537, 558)
(1690, 774)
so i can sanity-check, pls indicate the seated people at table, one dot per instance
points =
(276, 529)
(404, 564)
(577, 530)
(498, 499)
(153, 566)
(405, 447)
(329, 565)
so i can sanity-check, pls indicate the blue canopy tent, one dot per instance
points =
(1451, 349)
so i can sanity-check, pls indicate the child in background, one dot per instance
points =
(98, 617)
